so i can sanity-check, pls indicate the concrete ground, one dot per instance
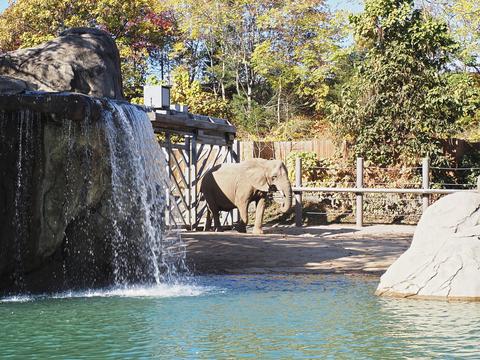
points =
(341, 249)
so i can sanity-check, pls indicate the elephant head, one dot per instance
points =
(272, 175)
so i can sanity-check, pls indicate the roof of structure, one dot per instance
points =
(207, 129)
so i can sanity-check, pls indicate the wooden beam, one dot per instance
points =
(209, 132)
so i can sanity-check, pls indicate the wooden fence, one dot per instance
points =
(324, 148)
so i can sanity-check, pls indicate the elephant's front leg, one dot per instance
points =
(260, 208)
(243, 222)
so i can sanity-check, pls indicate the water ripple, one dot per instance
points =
(240, 316)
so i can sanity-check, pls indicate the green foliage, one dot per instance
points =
(269, 59)
(398, 105)
(465, 91)
(309, 164)
(199, 101)
(295, 129)
(280, 70)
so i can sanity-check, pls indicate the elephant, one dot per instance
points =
(229, 186)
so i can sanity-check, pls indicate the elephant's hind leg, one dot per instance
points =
(216, 220)
(208, 221)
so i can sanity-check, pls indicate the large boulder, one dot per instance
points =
(82, 60)
(443, 260)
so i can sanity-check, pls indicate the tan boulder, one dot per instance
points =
(443, 260)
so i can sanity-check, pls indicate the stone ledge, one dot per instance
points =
(72, 106)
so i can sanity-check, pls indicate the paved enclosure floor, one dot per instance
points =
(319, 249)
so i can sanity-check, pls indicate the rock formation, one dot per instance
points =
(54, 172)
(443, 260)
(82, 195)
(80, 60)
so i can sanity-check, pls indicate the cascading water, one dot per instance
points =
(138, 204)
(85, 187)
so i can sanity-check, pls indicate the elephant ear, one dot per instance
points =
(257, 178)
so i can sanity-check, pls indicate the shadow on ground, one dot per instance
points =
(323, 249)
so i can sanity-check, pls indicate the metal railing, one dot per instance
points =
(425, 191)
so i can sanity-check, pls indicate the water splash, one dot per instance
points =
(161, 290)
(138, 205)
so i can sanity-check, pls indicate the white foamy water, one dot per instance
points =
(155, 291)
(19, 299)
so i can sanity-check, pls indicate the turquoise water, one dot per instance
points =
(239, 317)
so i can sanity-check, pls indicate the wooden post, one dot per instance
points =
(168, 147)
(236, 151)
(189, 179)
(359, 196)
(298, 195)
(194, 178)
(425, 183)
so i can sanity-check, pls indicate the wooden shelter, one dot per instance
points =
(192, 144)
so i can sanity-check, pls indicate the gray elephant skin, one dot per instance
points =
(229, 186)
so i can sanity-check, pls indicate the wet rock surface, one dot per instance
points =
(81, 60)
(82, 180)
(54, 175)
(82, 196)
(443, 260)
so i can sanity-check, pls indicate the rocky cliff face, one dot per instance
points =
(54, 175)
(81, 60)
(82, 178)
(82, 194)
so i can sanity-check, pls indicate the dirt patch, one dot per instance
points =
(312, 250)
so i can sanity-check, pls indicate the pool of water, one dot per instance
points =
(238, 317)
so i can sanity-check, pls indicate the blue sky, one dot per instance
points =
(352, 5)
(3, 4)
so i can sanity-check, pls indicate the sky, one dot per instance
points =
(351, 5)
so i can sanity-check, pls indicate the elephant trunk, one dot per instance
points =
(286, 188)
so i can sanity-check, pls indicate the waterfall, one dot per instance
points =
(138, 203)
(84, 192)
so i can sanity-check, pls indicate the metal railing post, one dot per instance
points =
(235, 158)
(359, 196)
(425, 183)
(298, 195)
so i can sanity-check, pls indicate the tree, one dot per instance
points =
(463, 18)
(297, 57)
(398, 107)
(267, 58)
(141, 29)
(190, 93)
